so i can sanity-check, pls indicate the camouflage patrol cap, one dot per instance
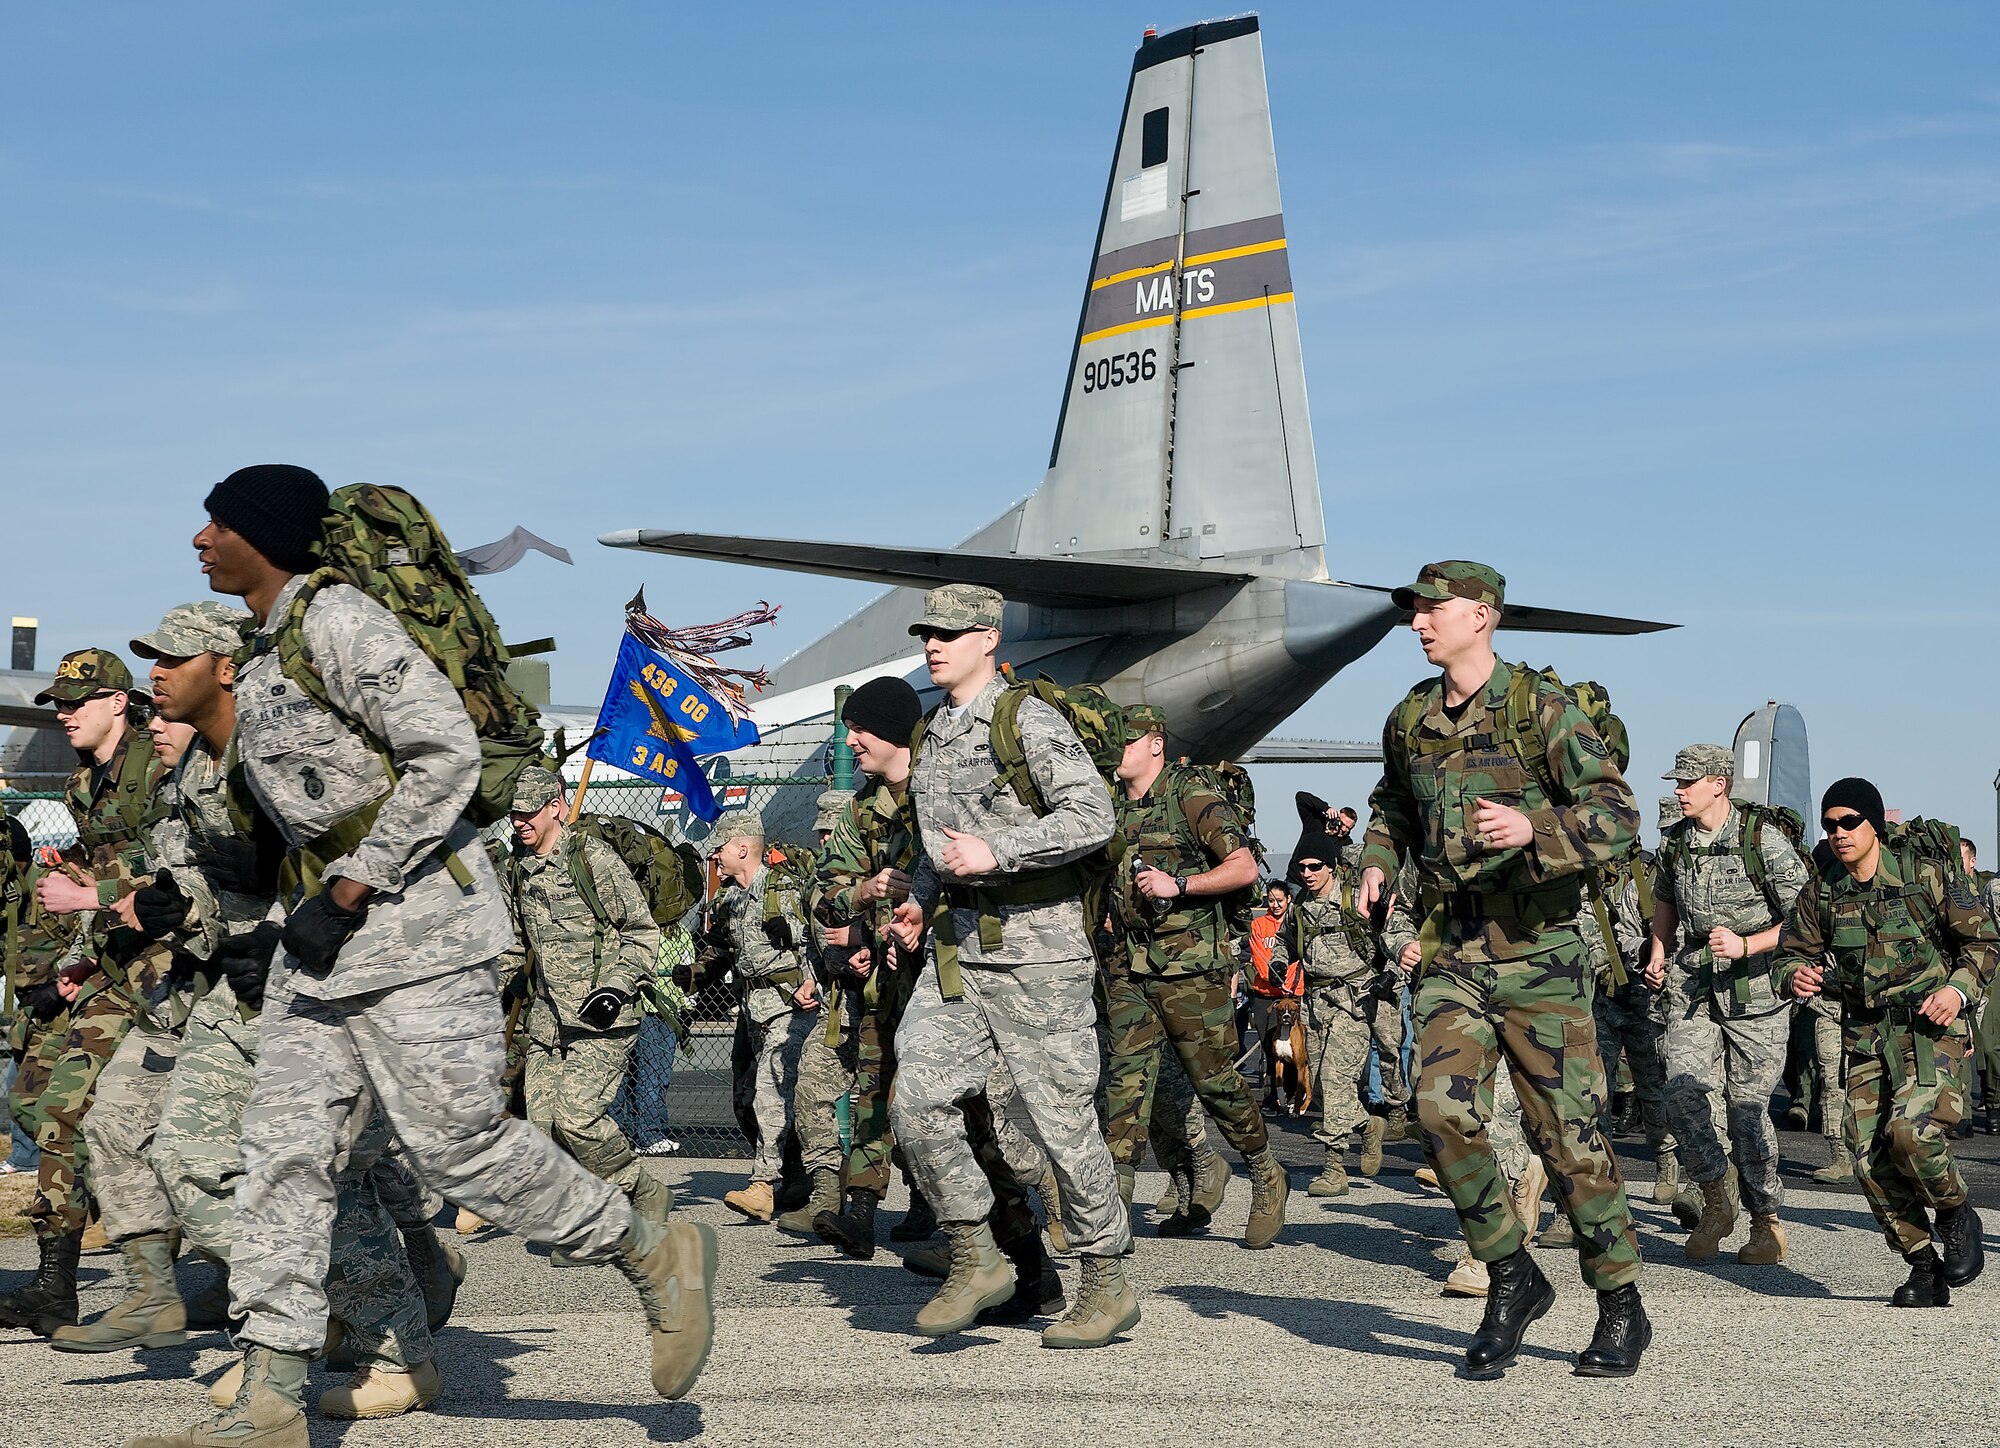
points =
(828, 808)
(1143, 719)
(1453, 578)
(87, 672)
(741, 825)
(960, 606)
(534, 788)
(1699, 761)
(1670, 813)
(205, 627)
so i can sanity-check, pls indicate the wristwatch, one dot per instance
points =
(1180, 885)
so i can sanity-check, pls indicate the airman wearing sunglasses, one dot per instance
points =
(1907, 946)
(1727, 1028)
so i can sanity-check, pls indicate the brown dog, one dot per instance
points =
(1285, 1054)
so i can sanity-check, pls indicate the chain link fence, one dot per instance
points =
(674, 1093)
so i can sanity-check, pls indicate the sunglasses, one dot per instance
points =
(1312, 864)
(946, 635)
(70, 706)
(1847, 824)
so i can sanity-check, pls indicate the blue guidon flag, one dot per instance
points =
(654, 720)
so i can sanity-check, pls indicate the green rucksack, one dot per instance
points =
(1231, 784)
(1524, 722)
(1749, 847)
(670, 876)
(385, 543)
(1100, 725)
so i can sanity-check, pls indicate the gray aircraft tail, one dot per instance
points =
(1773, 764)
(1183, 432)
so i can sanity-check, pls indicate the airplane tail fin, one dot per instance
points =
(1184, 432)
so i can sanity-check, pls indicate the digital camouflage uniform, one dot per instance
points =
(874, 832)
(1030, 1000)
(1915, 927)
(409, 1013)
(1507, 973)
(1727, 1028)
(826, 1058)
(1338, 950)
(574, 1070)
(764, 927)
(1172, 990)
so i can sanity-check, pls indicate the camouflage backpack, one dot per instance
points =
(1524, 722)
(1231, 784)
(1749, 847)
(669, 875)
(1100, 726)
(385, 543)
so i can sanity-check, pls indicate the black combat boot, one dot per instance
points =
(48, 1301)
(1926, 1287)
(1517, 1295)
(1964, 1253)
(919, 1223)
(1623, 1333)
(1993, 1118)
(1038, 1291)
(852, 1229)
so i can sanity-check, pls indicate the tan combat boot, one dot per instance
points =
(94, 1238)
(1718, 1220)
(1372, 1132)
(1050, 1191)
(1426, 1176)
(756, 1201)
(266, 1412)
(438, 1267)
(222, 1392)
(1839, 1165)
(1766, 1247)
(1211, 1181)
(1170, 1202)
(1332, 1178)
(980, 1277)
(825, 1198)
(674, 1270)
(656, 1199)
(1396, 1124)
(381, 1391)
(1468, 1278)
(151, 1315)
(1270, 1189)
(1525, 1198)
(1667, 1179)
(1105, 1306)
(469, 1222)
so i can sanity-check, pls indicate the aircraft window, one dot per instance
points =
(1153, 139)
(1753, 758)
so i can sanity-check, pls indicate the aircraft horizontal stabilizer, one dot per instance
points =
(1311, 751)
(1524, 618)
(1052, 582)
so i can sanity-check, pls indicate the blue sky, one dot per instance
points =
(1685, 312)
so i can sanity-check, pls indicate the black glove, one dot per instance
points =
(44, 1002)
(600, 1008)
(245, 961)
(161, 907)
(316, 931)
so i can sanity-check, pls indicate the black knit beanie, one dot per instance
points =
(1315, 845)
(1858, 795)
(278, 509)
(886, 708)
